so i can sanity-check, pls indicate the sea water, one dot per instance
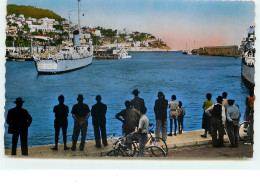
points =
(189, 77)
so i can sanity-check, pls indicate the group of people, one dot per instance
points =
(216, 118)
(223, 117)
(19, 121)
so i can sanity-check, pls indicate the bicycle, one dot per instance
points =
(118, 148)
(243, 129)
(153, 141)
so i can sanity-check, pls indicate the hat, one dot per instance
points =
(135, 91)
(18, 100)
(231, 102)
(80, 97)
(219, 99)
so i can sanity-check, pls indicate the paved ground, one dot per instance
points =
(187, 145)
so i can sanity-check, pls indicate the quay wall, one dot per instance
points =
(230, 51)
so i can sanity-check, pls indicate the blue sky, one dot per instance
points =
(176, 22)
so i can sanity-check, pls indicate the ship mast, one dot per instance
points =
(79, 20)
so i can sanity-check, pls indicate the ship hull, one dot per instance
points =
(247, 74)
(51, 67)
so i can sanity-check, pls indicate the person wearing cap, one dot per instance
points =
(218, 119)
(61, 122)
(80, 113)
(137, 102)
(173, 106)
(233, 116)
(98, 113)
(160, 110)
(19, 121)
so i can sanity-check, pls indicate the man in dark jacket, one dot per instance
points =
(218, 119)
(19, 121)
(61, 122)
(137, 102)
(160, 110)
(98, 113)
(80, 113)
(130, 118)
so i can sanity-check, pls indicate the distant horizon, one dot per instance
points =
(202, 23)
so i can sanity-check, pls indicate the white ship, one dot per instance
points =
(248, 58)
(69, 58)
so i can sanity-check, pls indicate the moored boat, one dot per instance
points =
(68, 58)
(248, 58)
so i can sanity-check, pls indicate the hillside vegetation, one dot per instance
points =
(30, 11)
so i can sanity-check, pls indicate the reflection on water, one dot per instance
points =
(189, 77)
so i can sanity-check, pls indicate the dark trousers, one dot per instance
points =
(217, 132)
(64, 133)
(100, 127)
(175, 125)
(180, 122)
(233, 134)
(23, 138)
(76, 130)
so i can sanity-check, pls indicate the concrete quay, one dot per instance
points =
(189, 138)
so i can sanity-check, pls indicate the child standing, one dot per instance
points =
(181, 114)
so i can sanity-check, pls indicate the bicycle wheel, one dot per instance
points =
(119, 152)
(157, 141)
(243, 132)
(111, 153)
(155, 151)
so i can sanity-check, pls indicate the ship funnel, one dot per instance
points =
(76, 39)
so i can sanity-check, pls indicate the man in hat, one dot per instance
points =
(98, 113)
(61, 122)
(218, 119)
(137, 102)
(80, 113)
(160, 110)
(233, 115)
(19, 121)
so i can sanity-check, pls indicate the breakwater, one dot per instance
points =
(229, 51)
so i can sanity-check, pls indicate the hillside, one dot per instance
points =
(30, 11)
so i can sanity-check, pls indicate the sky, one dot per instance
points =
(197, 23)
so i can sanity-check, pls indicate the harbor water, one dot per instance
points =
(189, 77)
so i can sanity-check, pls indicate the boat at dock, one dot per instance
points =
(68, 58)
(248, 58)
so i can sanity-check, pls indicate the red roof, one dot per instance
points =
(41, 35)
(92, 30)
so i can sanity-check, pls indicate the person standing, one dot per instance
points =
(98, 113)
(218, 119)
(80, 113)
(19, 121)
(173, 105)
(130, 118)
(137, 102)
(233, 115)
(206, 120)
(61, 122)
(181, 114)
(142, 131)
(160, 110)
(249, 116)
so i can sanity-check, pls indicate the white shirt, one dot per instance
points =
(223, 113)
(173, 105)
(143, 123)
